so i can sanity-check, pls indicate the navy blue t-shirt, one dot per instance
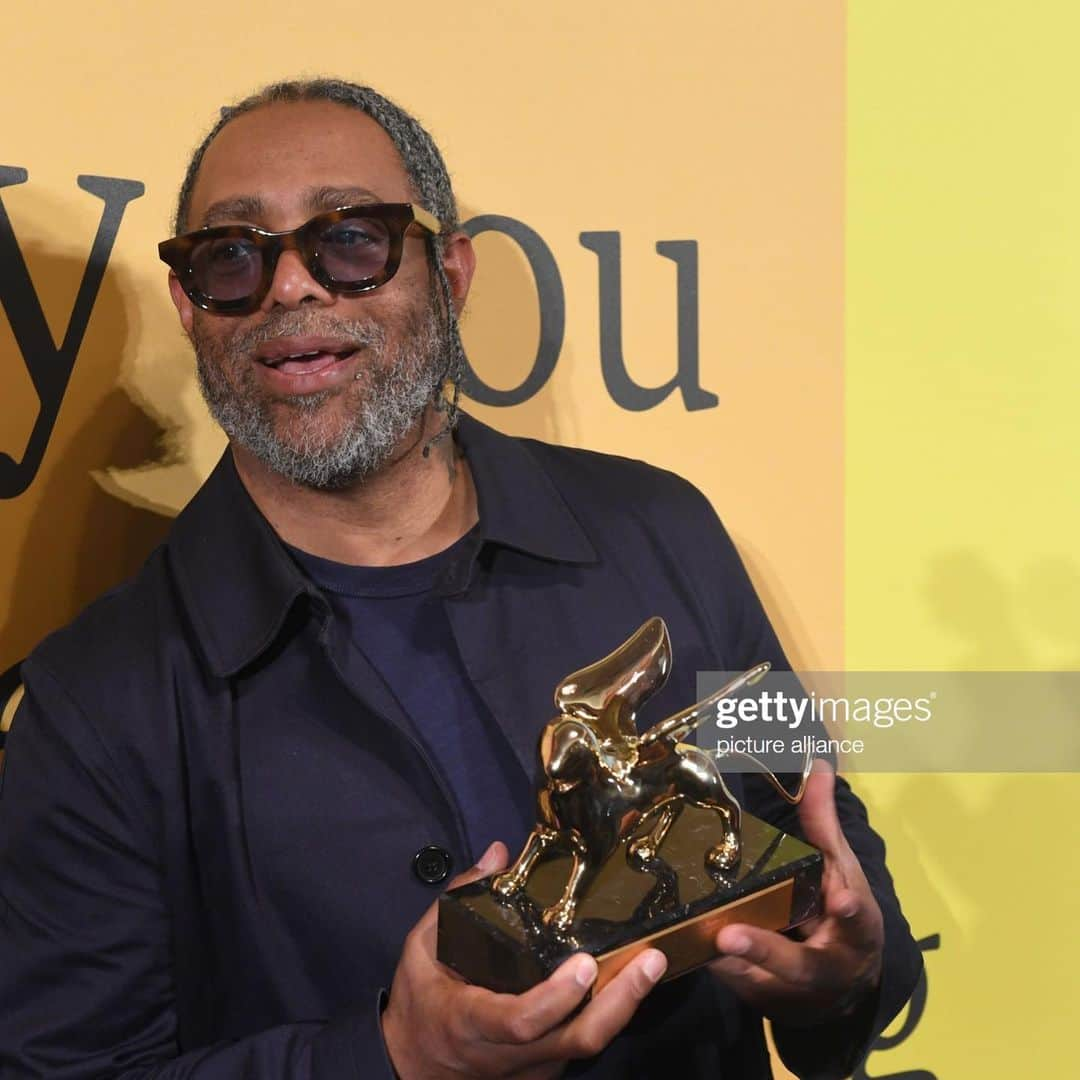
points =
(396, 618)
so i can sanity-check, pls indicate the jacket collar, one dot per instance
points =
(238, 584)
(519, 505)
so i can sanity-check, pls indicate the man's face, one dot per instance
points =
(327, 419)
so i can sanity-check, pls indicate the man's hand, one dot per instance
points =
(437, 1026)
(838, 960)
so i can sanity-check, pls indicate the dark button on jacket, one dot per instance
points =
(211, 804)
(432, 864)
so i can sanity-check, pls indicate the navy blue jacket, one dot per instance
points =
(210, 805)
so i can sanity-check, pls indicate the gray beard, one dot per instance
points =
(391, 393)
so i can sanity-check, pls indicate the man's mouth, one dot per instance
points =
(305, 356)
(310, 363)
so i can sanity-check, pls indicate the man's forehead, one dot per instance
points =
(286, 158)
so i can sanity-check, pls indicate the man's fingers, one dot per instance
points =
(843, 904)
(808, 929)
(747, 946)
(524, 1018)
(609, 1011)
(532, 1028)
(817, 812)
(493, 860)
(853, 917)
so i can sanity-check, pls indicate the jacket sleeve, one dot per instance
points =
(824, 1049)
(86, 954)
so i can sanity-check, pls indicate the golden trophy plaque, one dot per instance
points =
(638, 842)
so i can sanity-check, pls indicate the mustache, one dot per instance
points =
(299, 324)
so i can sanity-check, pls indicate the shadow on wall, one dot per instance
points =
(984, 849)
(65, 540)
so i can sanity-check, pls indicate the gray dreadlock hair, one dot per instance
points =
(427, 174)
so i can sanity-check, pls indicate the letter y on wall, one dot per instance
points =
(50, 367)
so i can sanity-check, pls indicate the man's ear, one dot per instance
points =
(184, 306)
(459, 262)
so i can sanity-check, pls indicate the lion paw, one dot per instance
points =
(505, 884)
(559, 917)
(641, 850)
(724, 855)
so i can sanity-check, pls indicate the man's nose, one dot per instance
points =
(293, 284)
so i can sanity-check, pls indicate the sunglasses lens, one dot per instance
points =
(355, 249)
(228, 268)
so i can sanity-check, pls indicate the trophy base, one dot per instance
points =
(672, 903)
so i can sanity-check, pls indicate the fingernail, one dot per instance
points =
(585, 975)
(489, 861)
(655, 966)
(737, 945)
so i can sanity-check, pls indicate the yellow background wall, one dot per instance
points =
(962, 519)
(884, 203)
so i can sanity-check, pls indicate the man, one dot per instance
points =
(237, 784)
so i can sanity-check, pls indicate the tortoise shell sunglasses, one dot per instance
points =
(228, 269)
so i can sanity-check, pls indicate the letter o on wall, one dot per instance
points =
(551, 298)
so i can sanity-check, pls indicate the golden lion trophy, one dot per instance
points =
(638, 841)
